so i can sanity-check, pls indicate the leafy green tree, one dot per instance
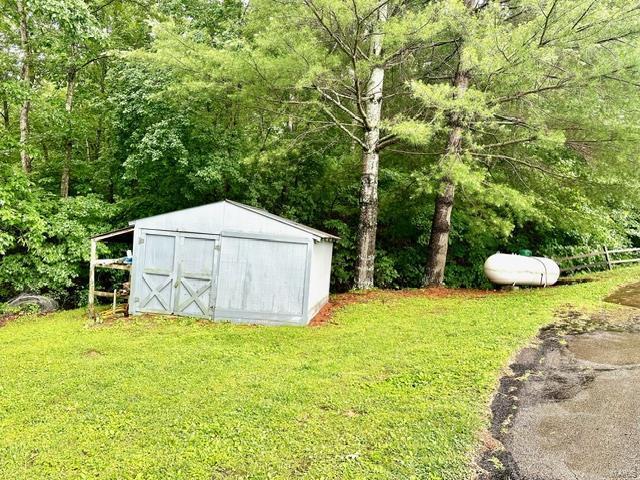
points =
(338, 62)
(368, 119)
(43, 242)
(525, 81)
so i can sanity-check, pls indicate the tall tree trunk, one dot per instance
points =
(370, 160)
(66, 167)
(64, 177)
(441, 223)
(98, 144)
(45, 153)
(26, 78)
(103, 75)
(5, 113)
(25, 158)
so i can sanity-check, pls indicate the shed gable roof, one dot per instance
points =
(312, 231)
(124, 235)
(315, 233)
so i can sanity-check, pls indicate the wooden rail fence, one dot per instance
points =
(605, 258)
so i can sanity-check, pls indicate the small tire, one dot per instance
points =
(44, 303)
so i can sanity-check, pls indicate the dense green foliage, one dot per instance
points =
(43, 241)
(395, 388)
(155, 108)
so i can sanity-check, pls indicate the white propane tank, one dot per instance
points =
(512, 269)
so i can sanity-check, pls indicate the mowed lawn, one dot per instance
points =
(396, 388)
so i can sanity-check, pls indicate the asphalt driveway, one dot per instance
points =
(592, 432)
(571, 408)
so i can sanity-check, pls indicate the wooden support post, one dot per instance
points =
(607, 257)
(113, 308)
(92, 280)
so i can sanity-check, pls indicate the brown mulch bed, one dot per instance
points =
(7, 317)
(336, 302)
(340, 300)
(4, 319)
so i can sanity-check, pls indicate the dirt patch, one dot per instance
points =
(324, 316)
(610, 348)
(628, 295)
(574, 322)
(92, 353)
(569, 407)
(4, 319)
(340, 300)
(9, 317)
(573, 281)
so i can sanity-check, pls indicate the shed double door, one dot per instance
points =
(177, 274)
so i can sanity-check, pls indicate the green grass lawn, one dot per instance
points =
(397, 388)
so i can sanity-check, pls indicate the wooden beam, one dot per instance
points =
(106, 261)
(580, 267)
(92, 280)
(607, 257)
(597, 254)
(115, 266)
(577, 257)
(100, 293)
(625, 250)
(628, 260)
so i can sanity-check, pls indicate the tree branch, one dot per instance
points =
(547, 16)
(511, 142)
(386, 141)
(341, 126)
(338, 103)
(320, 19)
(525, 163)
(518, 95)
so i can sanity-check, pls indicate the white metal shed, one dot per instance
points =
(229, 261)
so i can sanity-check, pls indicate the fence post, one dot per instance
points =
(607, 257)
(92, 280)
